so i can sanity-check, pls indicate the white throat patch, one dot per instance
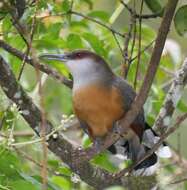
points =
(84, 72)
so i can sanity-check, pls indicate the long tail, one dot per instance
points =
(135, 149)
(150, 138)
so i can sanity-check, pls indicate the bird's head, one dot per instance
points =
(82, 64)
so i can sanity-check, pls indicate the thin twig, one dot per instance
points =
(139, 46)
(133, 45)
(142, 51)
(132, 50)
(31, 36)
(141, 16)
(88, 18)
(179, 181)
(98, 22)
(118, 43)
(125, 67)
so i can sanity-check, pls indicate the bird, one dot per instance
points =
(100, 99)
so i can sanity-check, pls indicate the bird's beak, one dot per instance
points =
(58, 57)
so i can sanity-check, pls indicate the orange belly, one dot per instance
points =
(99, 107)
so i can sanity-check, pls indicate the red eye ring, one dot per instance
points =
(78, 55)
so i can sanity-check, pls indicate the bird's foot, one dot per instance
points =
(98, 143)
(116, 128)
(79, 153)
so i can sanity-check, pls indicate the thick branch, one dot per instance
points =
(164, 117)
(96, 177)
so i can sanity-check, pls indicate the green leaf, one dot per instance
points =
(6, 25)
(103, 161)
(24, 185)
(182, 106)
(37, 180)
(4, 187)
(155, 6)
(180, 21)
(30, 179)
(102, 15)
(42, 4)
(157, 105)
(80, 24)
(53, 164)
(150, 119)
(65, 170)
(53, 30)
(66, 5)
(62, 182)
(88, 2)
(47, 43)
(86, 141)
(9, 164)
(148, 34)
(95, 43)
(16, 41)
(74, 41)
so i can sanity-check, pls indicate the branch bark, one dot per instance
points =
(163, 119)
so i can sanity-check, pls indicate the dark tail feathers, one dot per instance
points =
(134, 149)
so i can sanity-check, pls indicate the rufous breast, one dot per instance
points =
(99, 107)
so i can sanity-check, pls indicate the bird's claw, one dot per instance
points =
(98, 142)
(116, 128)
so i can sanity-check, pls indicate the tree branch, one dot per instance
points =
(96, 177)
(44, 68)
(141, 16)
(71, 12)
(170, 103)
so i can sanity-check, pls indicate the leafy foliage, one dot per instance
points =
(180, 20)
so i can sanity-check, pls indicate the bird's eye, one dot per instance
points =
(78, 55)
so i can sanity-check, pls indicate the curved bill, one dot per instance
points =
(59, 57)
